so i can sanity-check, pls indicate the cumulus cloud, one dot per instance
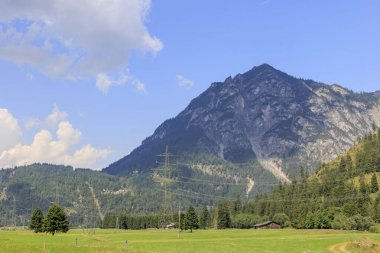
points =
(71, 40)
(57, 148)
(56, 116)
(10, 133)
(184, 82)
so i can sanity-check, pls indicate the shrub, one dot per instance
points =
(361, 223)
(281, 218)
(375, 229)
(341, 222)
(242, 221)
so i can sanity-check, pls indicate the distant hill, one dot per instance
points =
(86, 195)
(265, 122)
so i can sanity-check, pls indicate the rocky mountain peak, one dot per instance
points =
(264, 117)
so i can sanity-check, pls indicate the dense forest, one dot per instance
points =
(343, 194)
(340, 194)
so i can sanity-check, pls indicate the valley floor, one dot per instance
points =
(206, 241)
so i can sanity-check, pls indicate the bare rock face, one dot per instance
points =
(267, 116)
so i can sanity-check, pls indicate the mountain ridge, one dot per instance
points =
(263, 114)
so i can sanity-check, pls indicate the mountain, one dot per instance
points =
(342, 194)
(238, 138)
(86, 195)
(263, 117)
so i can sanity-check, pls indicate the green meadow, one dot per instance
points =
(287, 240)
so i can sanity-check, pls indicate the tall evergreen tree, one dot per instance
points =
(56, 220)
(374, 184)
(236, 206)
(36, 221)
(376, 209)
(362, 185)
(342, 165)
(224, 218)
(204, 218)
(191, 219)
(349, 165)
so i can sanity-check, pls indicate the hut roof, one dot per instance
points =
(265, 223)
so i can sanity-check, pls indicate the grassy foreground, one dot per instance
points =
(167, 241)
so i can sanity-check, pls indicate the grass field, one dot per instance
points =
(202, 241)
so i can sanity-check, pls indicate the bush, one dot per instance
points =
(281, 218)
(324, 218)
(310, 221)
(375, 229)
(342, 222)
(242, 221)
(288, 224)
(255, 219)
(361, 223)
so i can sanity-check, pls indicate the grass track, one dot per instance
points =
(200, 241)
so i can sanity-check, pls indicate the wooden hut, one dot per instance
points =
(268, 224)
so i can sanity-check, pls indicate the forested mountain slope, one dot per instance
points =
(344, 189)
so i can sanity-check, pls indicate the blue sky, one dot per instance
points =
(91, 89)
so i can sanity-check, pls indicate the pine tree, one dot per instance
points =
(374, 184)
(204, 218)
(362, 185)
(376, 209)
(237, 206)
(56, 220)
(36, 221)
(223, 218)
(349, 165)
(342, 165)
(191, 219)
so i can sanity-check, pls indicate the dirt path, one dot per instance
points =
(339, 248)
(96, 201)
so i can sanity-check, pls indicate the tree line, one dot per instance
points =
(343, 194)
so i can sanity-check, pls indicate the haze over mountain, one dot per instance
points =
(264, 116)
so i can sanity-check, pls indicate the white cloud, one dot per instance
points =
(32, 123)
(56, 116)
(183, 82)
(10, 133)
(51, 120)
(71, 40)
(104, 82)
(139, 87)
(46, 147)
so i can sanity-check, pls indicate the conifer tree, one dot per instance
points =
(237, 206)
(349, 165)
(56, 220)
(36, 221)
(342, 165)
(223, 218)
(191, 219)
(204, 218)
(374, 184)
